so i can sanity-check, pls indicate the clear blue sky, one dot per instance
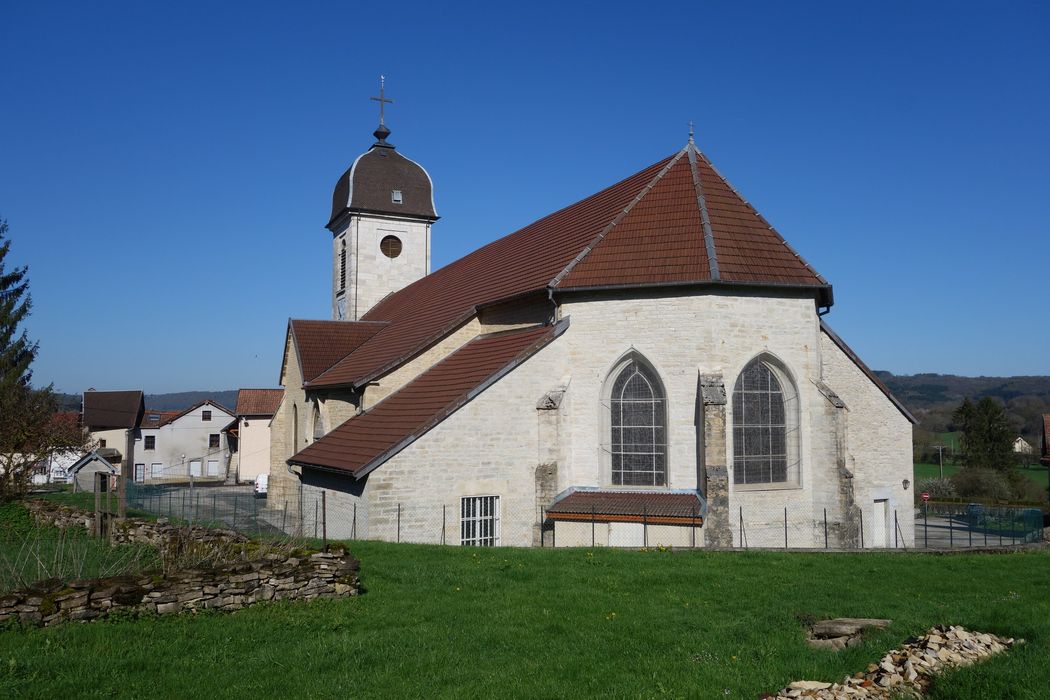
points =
(167, 169)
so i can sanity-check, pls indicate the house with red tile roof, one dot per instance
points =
(650, 365)
(176, 446)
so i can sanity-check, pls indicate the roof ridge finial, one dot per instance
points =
(381, 131)
(691, 132)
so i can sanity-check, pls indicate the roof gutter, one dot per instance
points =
(824, 295)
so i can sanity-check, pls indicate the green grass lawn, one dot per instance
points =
(467, 623)
(1036, 475)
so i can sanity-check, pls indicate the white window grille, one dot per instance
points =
(761, 427)
(639, 428)
(479, 521)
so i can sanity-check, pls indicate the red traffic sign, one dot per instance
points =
(925, 496)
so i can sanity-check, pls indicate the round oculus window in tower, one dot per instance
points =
(391, 246)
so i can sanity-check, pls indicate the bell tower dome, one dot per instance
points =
(382, 210)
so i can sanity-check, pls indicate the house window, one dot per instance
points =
(213, 441)
(639, 427)
(205, 415)
(150, 442)
(764, 426)
(395, 196)
(479, 521)
(318, 424)
(101, 444)
(156, 470)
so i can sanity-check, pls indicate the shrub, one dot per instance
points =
(937, 488)
(982, 483)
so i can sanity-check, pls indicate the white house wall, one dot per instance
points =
(182, 441)
(253, 447)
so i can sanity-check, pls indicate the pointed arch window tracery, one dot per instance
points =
(638, 421)
(765, 426)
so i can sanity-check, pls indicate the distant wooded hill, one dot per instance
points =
(933, 398)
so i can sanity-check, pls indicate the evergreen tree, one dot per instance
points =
(30, 430)
(987, 437)
(16, 352)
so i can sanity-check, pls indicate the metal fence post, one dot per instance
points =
(785, 527)
(353, 525)
(543, 519)
(214, 497)
(398, 522)
(743, 540)
(443, 526)
(862, 528)
(969, 529)
(233, 525)
(324, 519)
(925, 524)
(951, 529)
(895, 529)
(692, 531)
(645, 526)
(284, 518)
(315, 517)
(592, 527)
(825, 528)
(984, 521)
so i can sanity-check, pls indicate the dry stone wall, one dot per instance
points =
(299, 575)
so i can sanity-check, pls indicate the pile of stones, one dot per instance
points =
(907, 671)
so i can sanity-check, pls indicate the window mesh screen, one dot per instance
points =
(639, 429)
(759, 428)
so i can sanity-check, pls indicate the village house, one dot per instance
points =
(249, 435)
(190, 443)
(112, 420)
(650, 365)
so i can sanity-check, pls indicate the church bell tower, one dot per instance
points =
(382, 210)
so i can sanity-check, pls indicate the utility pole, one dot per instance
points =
(940, 457)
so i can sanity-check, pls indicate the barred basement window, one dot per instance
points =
(764, 420)
(479, 521)
(639, 428)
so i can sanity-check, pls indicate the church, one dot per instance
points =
(648, 366)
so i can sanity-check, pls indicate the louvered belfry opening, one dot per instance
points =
(760, 445)
(639, 428)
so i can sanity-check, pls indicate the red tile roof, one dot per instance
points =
(258, 402)
(161, 417)
(677, 221)
(321, 344)
(113, 409)
(364, 441)
(629, 506)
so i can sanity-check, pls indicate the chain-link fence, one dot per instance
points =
(492, 520)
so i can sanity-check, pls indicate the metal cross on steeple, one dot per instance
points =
(382, 100)
(690, 131)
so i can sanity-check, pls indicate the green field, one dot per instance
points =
(1037, 475)
(468, 623)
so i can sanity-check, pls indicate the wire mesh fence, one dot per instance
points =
(492, 520)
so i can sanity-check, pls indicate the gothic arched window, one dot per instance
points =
(639, 427)
(765, 445)
(318, 425)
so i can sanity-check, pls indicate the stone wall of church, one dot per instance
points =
(371, 274)
(283, 485)
(389, 383)
(691, 334)
(486, 448)
(878, 452)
